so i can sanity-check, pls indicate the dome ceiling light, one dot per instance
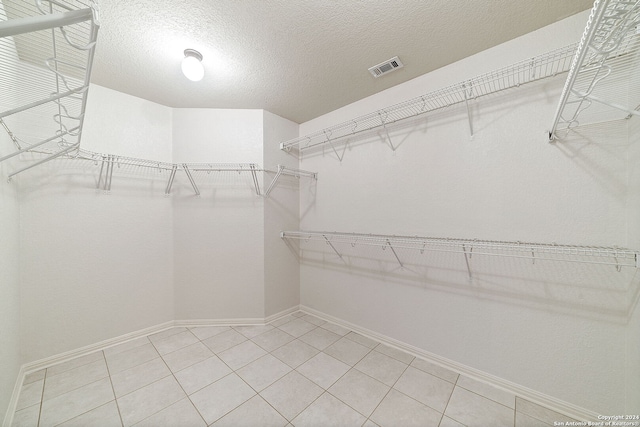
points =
(192, 66)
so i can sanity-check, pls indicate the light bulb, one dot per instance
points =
(192, 66)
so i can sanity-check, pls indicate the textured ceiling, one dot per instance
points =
(297, 58)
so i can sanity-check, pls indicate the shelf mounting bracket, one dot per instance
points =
(193, 182)
(174, 169)
(466, 101)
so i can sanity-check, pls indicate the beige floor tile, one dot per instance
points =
(202, 374)
(359, 391)
(130, 358)
(297, 327)
(144, 402)
(76, 402)
(323, 369)
(540, 412)
(319, 338)
(291, 394)
(34, 376)
(30, 395)
(490, 392)
(400, 355)
(74, 363)
(139, 376)
(103, 416)
(361, 339)
(253, 331)
(370, 423)
(347, 351)
(425, 388)
(131, 344)
(282, 320)
(241, 355)
(273, 339)
(313, 319)
(204, 332)
(448, 422)
(398, 410)
(175, 342)
(165, 334)
(524, 420)
(180, 414)
(187, 356)
(474, 410)
(433, 369)
(381, 367)
(263, 372)
(221, 397)
(328, 411)
(336, 329)
(255, 412)
(224, 341)
(27, 417)
(72, 379)
(295, 353)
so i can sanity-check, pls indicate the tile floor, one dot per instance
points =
(296, 371)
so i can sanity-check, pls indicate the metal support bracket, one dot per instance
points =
(193, 182)
(466, 259)
(14, 27)
(256, 183)
(172, 175)
(334, 249)
(466, 101)
(395, 254)
(384, 126)
(38, 144)
(273, 182)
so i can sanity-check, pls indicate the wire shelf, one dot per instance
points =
(46, 55)
(547, 65)
(602, 84)
(619, 257)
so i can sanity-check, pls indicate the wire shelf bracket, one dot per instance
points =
(533, 69)
(282, 170)
(611, 256)
(608, 53)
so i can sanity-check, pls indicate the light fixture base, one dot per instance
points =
(194, 53)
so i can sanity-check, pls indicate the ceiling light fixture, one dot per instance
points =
(192, 66)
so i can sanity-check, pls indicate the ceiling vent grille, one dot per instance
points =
(386, 67)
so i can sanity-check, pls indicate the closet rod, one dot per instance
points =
(619, 257)
(14, 27)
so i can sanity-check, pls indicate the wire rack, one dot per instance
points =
(602, 84)
(547, 65)
(46, 55)
(618, 257)
(283, 170)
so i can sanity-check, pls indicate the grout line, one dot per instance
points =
(115, 398)
(44, 382)
(449, 400)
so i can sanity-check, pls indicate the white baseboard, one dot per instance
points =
(13, 402)
(557, 405)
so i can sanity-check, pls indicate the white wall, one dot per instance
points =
(93, 265)
(633, 218)
(218, 243)
(281, 212)
(9, 279)
(549, 327)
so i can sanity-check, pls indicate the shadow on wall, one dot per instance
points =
(603, 292)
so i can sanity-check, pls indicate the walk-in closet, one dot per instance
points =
(315, 213)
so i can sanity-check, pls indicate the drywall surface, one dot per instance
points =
(633, 218)
(547, 325)
(218, 236)
(281, 212)
(9, 279)
(96, 265)
(124, 125)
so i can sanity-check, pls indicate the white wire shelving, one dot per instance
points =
(613, 256)
(603, 78)
(107, 163)
(46, 56)
(533, 69)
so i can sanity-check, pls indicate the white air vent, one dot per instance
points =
(386, 67)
